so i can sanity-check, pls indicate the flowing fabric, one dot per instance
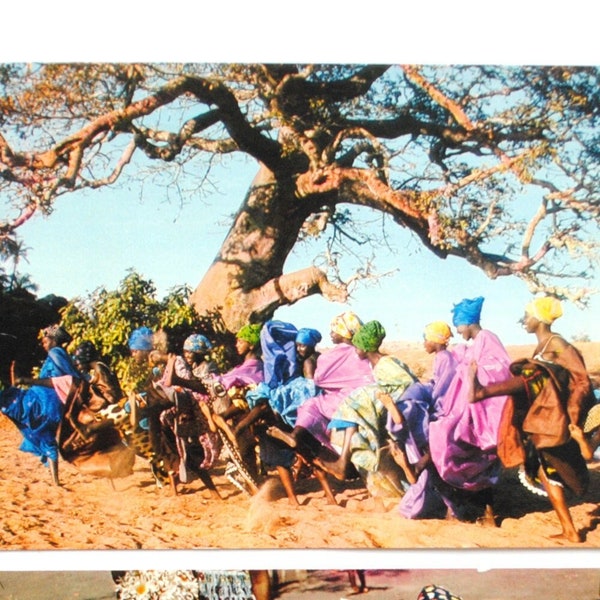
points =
(580, 397)
(250, 372)
(284, 387)
(423, 499)
(557, 393)
(363, 409)
(286, 399)
(444, 369)
(415, 405)
(37, 411)
(278, 344)
(463, 439)
(339, 371)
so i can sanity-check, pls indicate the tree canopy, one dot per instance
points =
(497, 165)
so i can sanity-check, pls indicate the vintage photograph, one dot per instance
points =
(276, 305)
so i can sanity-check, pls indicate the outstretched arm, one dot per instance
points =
(45, 382)
(508, 387)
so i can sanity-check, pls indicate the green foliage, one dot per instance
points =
(107, 319)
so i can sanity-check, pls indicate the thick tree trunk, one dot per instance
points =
(245, 282)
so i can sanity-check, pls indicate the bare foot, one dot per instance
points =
(571, 536)
(336, 468)
(284, 436)
(577, 434)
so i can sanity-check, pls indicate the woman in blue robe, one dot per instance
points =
(37, 410)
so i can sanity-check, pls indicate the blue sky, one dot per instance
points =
(93, 238)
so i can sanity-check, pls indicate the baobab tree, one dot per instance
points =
(496, 165)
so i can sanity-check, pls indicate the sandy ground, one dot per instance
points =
(89, 513)
(559, 584)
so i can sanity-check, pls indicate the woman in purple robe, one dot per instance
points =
(410, 447)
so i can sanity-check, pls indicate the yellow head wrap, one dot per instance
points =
(346, 324)
(545, 309)
(438, 332)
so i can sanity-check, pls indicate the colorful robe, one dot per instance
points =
(339, 371)
(463, 439)
(37, 411)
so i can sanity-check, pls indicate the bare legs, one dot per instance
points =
(556, 494)
(339, 467)
(287, 437)
(587, 448)
(360, 586)
(54, 470)
(286, 479)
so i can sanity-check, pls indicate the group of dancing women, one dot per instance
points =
(347, 412)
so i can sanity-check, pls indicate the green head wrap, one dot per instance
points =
(250, 333)
(369, 337)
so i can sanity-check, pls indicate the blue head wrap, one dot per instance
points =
(467, 312)
(197, 343)
(141, 339)
(308, 337)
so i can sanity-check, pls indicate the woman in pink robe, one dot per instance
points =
(463, 439)
(338, 372)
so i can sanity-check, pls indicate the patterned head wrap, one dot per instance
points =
(85, 353)
(435, 592)
(57, 333)
(250, 333)
(346, 324)
(141, 339)
(545, 309)
(308, 337)
(369, 337)
(197, 343)
(467, 312)
(438, 332)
